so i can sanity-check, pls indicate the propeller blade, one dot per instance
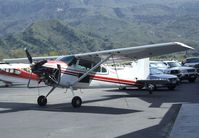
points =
(28, 55)
(40, 63)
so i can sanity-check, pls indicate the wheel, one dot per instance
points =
(192, 80)
(76, 101)
(171, 87)
(151, 88)
(42, 100)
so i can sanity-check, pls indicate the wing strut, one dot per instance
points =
(93, 68)
(116, 71)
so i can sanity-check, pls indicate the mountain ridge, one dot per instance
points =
(122, 23)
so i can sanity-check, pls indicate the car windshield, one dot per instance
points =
(174, 64)
(154, 71)
(192, 60)
(158, 65)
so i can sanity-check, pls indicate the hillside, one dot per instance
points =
(121, 23)
(51, 38)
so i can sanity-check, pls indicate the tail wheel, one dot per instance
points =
(76, 101)
(42, 100)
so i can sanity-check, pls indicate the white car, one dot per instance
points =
(186, 73)
(161, 66)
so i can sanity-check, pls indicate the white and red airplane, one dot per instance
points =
(19, 73)
(18, 70)
(81, 71)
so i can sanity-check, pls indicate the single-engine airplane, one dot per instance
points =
(11, 74)
(80, 71)
(17, 71)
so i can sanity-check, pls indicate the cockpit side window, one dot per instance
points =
(83, 64)
(86, 64)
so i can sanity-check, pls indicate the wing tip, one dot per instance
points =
(184, 45)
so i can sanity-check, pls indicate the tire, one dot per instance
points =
(76, 102)
(42, 100)
(171, 87)
(192, 80)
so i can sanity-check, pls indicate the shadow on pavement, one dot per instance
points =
(162, 130)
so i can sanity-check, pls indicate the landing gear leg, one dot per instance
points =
(151, 88)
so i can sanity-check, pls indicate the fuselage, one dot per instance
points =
(16, 73)
(102, 77)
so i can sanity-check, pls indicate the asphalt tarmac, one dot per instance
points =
(104, 113)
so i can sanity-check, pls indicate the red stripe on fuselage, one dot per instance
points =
(101, 78)
(114, 80)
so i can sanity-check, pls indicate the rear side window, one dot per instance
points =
(104, 70)
(192, 60)
(101, 70)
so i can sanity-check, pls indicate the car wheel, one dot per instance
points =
(192, 80)
(171, 87)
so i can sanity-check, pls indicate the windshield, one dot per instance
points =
(67, 59)
(174, 64)
(192, 60)
(154, 71)
(158, 65)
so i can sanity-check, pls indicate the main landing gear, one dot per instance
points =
(42, 100)
(76, 101)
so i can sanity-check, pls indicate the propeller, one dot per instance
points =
(28, 55)
(36, 65)
(50, 76)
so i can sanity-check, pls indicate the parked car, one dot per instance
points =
(160, 79)
(192, 62)
(186, 73)
(157, 78)
(162, 66)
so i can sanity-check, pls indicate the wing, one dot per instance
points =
(25, 60)
(137, 52)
